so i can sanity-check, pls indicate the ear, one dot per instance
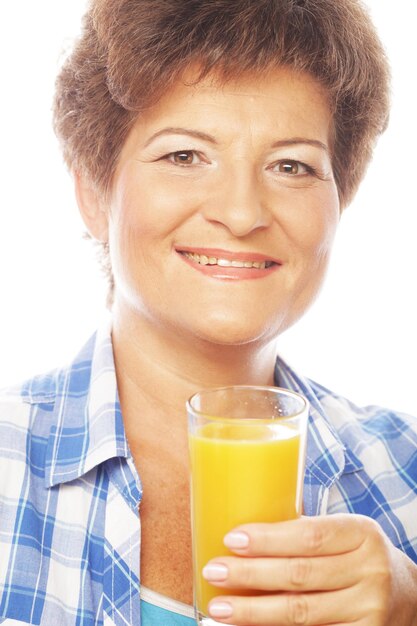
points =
(92, 207)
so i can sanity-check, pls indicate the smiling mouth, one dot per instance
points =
(203, 259)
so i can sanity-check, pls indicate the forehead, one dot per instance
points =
(278, 100)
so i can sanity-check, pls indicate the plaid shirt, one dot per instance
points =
(70, 493)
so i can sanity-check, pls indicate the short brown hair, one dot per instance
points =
(131, 51)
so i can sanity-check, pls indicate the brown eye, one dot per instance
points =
(185, 157)
(289, 167)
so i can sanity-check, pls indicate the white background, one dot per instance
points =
(359, 338)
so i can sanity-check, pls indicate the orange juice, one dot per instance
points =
(241, 472)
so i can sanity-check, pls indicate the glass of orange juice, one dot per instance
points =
(247, 454)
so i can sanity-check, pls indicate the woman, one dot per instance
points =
(213, 146)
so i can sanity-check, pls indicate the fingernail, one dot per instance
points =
(220, 609)
(236, 540)
(215, 572)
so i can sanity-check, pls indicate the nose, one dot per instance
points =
(238, 203)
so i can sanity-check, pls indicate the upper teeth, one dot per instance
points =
(211, 260)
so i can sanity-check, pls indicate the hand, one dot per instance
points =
(336, 569)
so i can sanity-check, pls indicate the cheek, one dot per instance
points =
(311, 223)
(150, 206)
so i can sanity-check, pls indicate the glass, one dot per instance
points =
(247, 456)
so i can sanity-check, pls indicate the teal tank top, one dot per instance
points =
(159, 610)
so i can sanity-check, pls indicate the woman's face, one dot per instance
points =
(224, 208)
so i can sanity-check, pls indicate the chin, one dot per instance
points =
(226, 332)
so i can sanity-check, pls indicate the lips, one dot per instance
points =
(203, 259)
(226, 264)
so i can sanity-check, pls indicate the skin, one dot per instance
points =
(250, 172)
(335, 570)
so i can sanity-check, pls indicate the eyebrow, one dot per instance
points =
(172, 130)
(301, 140)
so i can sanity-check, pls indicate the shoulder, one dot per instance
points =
(41, 387)
(30, 411)
(25, 421)
(383, 439)
(30, 414)
(44, 390)
(344, 415)
(44, 419)
(16, 402)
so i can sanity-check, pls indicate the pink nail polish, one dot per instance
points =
(236, 540)
(220, 609)
(216, 572)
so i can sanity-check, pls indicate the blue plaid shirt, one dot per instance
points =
(70, 493)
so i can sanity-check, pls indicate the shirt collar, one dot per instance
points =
(88, 426)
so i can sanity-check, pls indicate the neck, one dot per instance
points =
(158, 370)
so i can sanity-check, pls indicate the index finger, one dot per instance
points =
(305, 536)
